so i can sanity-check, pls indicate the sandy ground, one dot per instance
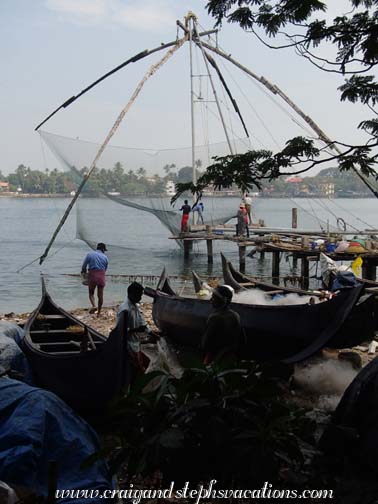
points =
(103, 324)
(106, 322)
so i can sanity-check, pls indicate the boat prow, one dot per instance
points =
(71, 359)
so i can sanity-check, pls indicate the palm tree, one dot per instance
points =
(141, 172)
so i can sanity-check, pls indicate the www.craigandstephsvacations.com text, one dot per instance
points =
(136, 495)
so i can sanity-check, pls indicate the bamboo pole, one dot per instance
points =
(112, 131)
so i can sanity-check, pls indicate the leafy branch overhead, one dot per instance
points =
(250, 169)
(351, 40)
(353, 35)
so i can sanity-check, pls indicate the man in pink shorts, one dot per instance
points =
(97, 264)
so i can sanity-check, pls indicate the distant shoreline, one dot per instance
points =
(159, 195)
(31, 195)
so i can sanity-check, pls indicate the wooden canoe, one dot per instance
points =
(69, 358)
(359, 326)
(288, 333)
(240, 282)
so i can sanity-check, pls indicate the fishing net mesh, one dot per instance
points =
(76, 155)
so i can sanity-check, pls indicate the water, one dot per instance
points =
(27, 225)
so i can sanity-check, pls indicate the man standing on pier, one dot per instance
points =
(185, 209)
(248, 206)
(199, 209)
(97, 264)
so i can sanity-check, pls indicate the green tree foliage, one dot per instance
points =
(101, 180)
(218, 422)
(116, 180)
(351, 39)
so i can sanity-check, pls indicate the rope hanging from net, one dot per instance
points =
(111, 133)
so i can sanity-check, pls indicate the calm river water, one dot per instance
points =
(27, 224)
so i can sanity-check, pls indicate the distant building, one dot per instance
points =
(294, 180)
(4, 186)
(170, 188)
(327, 189)
(151, 180)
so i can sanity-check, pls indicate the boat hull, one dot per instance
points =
(86, 380)
(359, 326)
(289, 333)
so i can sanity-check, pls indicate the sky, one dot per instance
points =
(51, 49)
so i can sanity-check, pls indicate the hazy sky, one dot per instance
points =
(51, 49)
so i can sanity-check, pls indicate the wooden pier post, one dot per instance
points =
(295, 260)
(242, 250)
(369, 270)
(304, 273)
(276, 267)
(188, 246)
(294, 218)
(209, 244)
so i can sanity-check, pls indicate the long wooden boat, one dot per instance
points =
(359, 326)
(240, 282)
(69, 358)
(288, 333)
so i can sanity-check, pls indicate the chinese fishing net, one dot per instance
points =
(118, 164)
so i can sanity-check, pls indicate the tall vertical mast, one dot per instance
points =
(199, 42)
(190, 25)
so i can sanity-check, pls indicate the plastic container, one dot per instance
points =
(330, 247)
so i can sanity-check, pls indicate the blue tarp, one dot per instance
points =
(36, 427)
(11, 355)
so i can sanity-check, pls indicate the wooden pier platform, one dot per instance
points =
(276, 241)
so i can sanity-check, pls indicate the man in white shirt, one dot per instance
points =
(137, 327)
(248, 206)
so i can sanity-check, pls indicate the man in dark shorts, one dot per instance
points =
(97, 264)
(223, 335)
(185, 209)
